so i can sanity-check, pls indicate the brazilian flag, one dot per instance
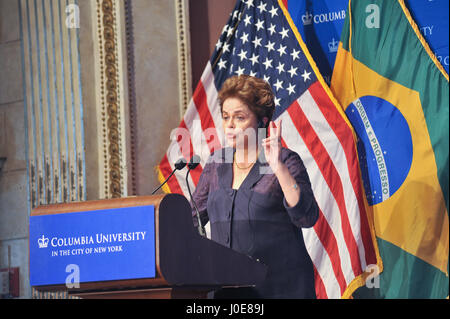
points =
(396, 95)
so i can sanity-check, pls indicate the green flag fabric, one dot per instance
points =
(396, 96)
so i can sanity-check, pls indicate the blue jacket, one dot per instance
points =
(255, 220)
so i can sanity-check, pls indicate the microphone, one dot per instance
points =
(193, 163)
(179, 165)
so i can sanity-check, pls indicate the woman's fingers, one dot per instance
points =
(279, 129)
(270, 140)
(275, 129)
(273, 142)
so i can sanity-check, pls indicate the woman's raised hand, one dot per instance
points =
(272, 146)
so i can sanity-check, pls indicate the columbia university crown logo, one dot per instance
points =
(333, 46)
(43, 242)
(307, 18)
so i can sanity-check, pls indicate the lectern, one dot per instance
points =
(134, 247)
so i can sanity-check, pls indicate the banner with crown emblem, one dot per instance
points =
(320, 23)
(103, 245)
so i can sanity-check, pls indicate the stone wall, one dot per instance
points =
(13, 181)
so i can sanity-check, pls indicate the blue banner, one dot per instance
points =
(320, 23)
(431, 16)
(101, 245)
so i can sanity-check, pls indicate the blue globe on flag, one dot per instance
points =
(384, 146)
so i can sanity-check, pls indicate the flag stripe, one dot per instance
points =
(165, 169)
(323, 264)
(206, 119)
(184, 141)
(321, 292)
(328, 240)
(327, 205)
(199, 146)
(177, 147)
(334, 148)
(331, 176)
(334, 119)
(188, 152)
(216, 131)
(212, 101)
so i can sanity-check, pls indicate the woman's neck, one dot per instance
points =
(246, 155)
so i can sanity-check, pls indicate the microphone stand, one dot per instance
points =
(180, 164)
(200, 227)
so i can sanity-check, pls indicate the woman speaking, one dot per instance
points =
(257, 195)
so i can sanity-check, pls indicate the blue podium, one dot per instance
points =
(134, 247)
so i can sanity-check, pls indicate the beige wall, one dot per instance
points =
(207, 19)
(156, 78)
(13, 182)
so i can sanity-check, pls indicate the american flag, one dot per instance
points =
(261, 40)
